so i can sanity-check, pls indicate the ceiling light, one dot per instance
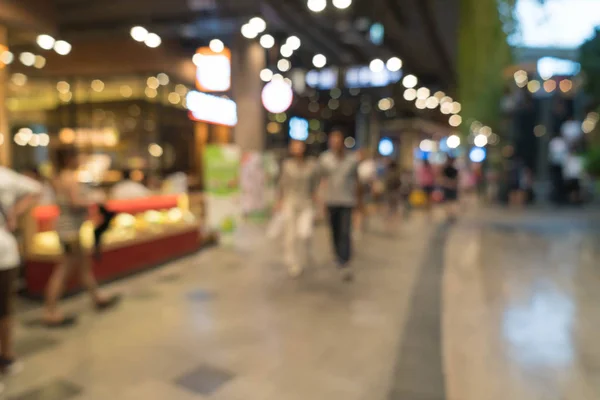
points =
(126, 91)
(376, 65)
(266, 75)
(153, 40)
(410, 94)
(385, 104)
(455, 120)
(61, 47)
(533, 86)
(432, 102)
(439, 95)
(446, 99)
(46, 42)
(410, 81)
(453, 141)
(152, 82)
(258, 24)
(267, 41)
(150, 92)
(40, 62)
(139, 33)
(456, 107)
(216, 45)
(97, 85)
(174, 98)
(286, 50)
(316, 5)
(446, 108)
(342, 4)
(19, 79)
(7, 57)
(394, 64)
(44, 139)
(319, 60)
(293, 42)
(423, 93)
(480, 141)
(283, 65)
(63, 87)
(163, 79)
(27, 58)
(248, 31)
(421, 104)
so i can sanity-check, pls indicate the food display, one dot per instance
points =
(145, 232)
(142, 221)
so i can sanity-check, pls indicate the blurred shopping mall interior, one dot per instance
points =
(478, 284)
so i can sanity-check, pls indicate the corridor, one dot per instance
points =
(497, 306)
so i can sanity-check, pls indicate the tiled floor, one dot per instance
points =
(497, 306)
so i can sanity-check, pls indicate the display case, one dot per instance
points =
(145, 232)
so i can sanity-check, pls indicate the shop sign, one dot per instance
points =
(213, 70)
(363, 77)
(212, 109)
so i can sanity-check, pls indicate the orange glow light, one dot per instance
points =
(213, 70)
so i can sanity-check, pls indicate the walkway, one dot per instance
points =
(498, 306)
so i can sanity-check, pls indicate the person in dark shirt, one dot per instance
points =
(450, 187)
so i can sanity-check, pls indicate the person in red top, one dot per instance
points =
(426, 181)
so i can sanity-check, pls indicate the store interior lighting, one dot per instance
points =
(316, 5)
(62, 47)
(319, 61)
(46, 42)
(267, 41)
(342, 4)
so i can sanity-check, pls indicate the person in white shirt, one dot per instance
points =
(573, 173)
(129, 189)
(23, 193)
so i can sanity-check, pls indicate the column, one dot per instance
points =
(5, 137)
(248, 59)
(362, 131)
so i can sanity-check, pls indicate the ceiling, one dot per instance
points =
(423, 33)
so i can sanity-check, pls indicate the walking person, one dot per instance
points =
(392, 194)
(426, 181)
(342, 194)
(74, 204)
(450, 182)
(18, 193)
(297, 190)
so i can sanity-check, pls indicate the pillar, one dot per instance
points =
(5, 136)
(248, 59)
(362, 131)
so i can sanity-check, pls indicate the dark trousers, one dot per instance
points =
(557, 193)
(340, 220)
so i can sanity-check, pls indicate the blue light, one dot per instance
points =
(386, 147)
(477, 154)
(298, 128)
(376, 33)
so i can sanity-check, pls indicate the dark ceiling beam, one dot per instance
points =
(428, 14)
(314, 39)
(36, 15)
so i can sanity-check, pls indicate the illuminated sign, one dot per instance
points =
(552, 66)
(277, 96)
(298, 128)
(386, 147)
(213, 70)
(477, 154)
(325, 79)
(212, 109)
(376, 33)
(363, 77)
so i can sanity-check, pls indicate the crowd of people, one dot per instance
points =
(350, 187)
(19, 192)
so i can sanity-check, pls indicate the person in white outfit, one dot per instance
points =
(17, 194)
(297, 190)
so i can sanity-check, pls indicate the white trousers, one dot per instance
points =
(298, 229)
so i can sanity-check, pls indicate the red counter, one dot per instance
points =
(118, 259)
